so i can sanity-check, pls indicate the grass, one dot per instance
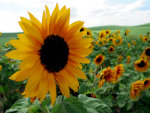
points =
(135, 31)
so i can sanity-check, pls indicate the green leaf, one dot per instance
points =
(70, 105)
(93, 104)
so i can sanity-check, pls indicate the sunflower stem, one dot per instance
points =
(46, 108)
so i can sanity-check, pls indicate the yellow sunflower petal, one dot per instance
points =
(48, 19)
(20, 75)
(18, 55)
(52, 87)
(70, 79)
(79, 59)
(83, 52)
(76, 71)
(63, 86)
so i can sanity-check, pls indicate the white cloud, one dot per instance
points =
(93, 13)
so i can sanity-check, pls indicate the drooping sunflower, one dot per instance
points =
(51, 53)
(141, 37)
(129, 45)
(120, 57)
(102, 34)
(108, 32)
(89, 33)
(146, 53)
(133, 42)
(99, 59)
(136, 89)
(127, 32)
(83, 29)
(108, 75)
(111, 49)
(119, 69)
(141, 65)
(145, 39)
(0, 67)
(128, 59)
(117, 41)
(146, 84)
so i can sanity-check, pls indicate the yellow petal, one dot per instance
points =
(35, 21)
(29, 61)
(78, 59)
(63, 86)
(83, 52)
(43, 86)
(53, 19)
(52, 88)
(28, 29)
(76, 71)
(35, 77)
(48, 19)
(18, 55)
(21, 75)
(70, 79)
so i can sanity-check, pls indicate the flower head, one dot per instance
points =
(51, 53)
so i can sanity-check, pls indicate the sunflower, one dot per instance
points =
(110, 39)
(117, 32)
(127, 32)
(89, 33)
(113, 35)
(129, 45)
(128, 59)
(51, 52)
(100, 43)
(145, 38)
(99, 59)
(111, 49)
(104, 41)
(118, 41)
(83, 29)
(141, 65)
(146, 84)
(119, 69)
(6, 44)
(101, 82)
(107, 32)
(102, 34)
(0, 67)
(136, 89)
(0, 33)
(133, 42)
(146, 53)
(108, 75)
(120, 57)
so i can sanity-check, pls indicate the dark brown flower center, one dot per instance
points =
(99, 59)
(82, 29)
(54, 53)
(88, 33)
(145, 82)
(141, 64)
(147, 51)
(111, 49)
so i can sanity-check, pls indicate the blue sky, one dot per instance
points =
(92, 12)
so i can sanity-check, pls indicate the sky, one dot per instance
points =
(92, 12)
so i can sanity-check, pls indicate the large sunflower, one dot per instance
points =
(136, 89)
(51, 52)
(141, 65)
(99, 59)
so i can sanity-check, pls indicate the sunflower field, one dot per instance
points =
(57, 67)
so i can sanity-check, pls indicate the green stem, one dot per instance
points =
(46, 108)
